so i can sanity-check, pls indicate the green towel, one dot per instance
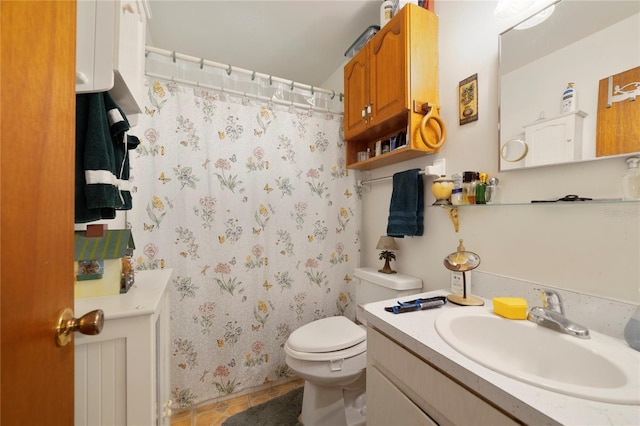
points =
(406, 210)
(102, 162)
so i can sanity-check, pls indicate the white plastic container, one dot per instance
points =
(386, 12)
(569, 99)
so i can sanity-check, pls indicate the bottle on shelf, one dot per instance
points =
(469, 182)
(456, 192)
(481, 189)
(631, 180)
(491, 195)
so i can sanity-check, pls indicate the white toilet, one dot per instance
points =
(330, 354)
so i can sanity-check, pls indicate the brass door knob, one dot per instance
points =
(90, 323)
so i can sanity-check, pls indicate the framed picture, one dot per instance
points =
(468, 98)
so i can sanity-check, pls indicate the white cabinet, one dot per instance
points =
(554, 140)
(128, 57)
(425, 395)
(122, 374)
(110, 47)
(94, 46)
(387, 405)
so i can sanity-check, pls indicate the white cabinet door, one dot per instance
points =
(94, 45)
(128, 64)
(122, 374)
(387, 405)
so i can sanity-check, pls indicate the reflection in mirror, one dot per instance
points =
(514, 150)
(582, 42)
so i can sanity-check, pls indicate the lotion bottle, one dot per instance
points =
(386, 12)
(631, 180)
(569, 99)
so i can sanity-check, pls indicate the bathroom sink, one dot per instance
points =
(600, 368)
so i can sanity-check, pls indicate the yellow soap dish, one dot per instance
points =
(510, 307)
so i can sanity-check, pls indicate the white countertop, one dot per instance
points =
(533, 405)
(141, 299)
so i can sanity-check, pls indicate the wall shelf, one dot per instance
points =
(454, 211)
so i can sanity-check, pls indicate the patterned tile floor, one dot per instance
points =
(216, 413)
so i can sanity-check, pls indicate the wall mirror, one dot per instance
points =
(582, 42)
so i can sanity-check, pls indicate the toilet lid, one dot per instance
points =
(326, 335)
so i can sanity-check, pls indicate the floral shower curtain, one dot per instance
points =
(253, 208)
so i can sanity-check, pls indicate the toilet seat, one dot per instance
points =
(327, 339)
(326, 356)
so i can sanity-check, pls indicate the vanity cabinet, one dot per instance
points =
(398, 66)
(122, 374)
(403, 388)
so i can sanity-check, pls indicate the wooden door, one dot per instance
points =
(37, 107)
(356, 94)
(388, 70)
(618, 126)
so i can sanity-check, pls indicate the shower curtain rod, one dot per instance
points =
(229, 69)
(243, 94)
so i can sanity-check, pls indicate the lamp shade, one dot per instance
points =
(386, 243)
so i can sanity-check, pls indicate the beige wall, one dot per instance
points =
(593, 249)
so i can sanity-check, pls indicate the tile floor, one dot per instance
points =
(216, 413)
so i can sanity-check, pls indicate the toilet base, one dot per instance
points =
(334, 406)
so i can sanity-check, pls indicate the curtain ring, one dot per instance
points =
(341, 97)
(333, 94)
(173, 56)
(312, 90)
(146, 53)
(270, 80)
(229, 70)
(253, 76)
(201, 63)
(291, 87)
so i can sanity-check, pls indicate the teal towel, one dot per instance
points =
(102, 160)
(406, 210)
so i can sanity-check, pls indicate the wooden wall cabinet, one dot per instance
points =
(398, 66)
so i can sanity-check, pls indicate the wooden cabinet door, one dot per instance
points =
(388, 71)
(356, 93)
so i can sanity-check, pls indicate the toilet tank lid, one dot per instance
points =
(393, 281)
(326, 335)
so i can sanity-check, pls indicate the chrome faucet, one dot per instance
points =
(551, 300)
(552, 316)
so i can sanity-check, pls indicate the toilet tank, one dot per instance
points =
(374, 286)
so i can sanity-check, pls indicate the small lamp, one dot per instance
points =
(387, 245)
